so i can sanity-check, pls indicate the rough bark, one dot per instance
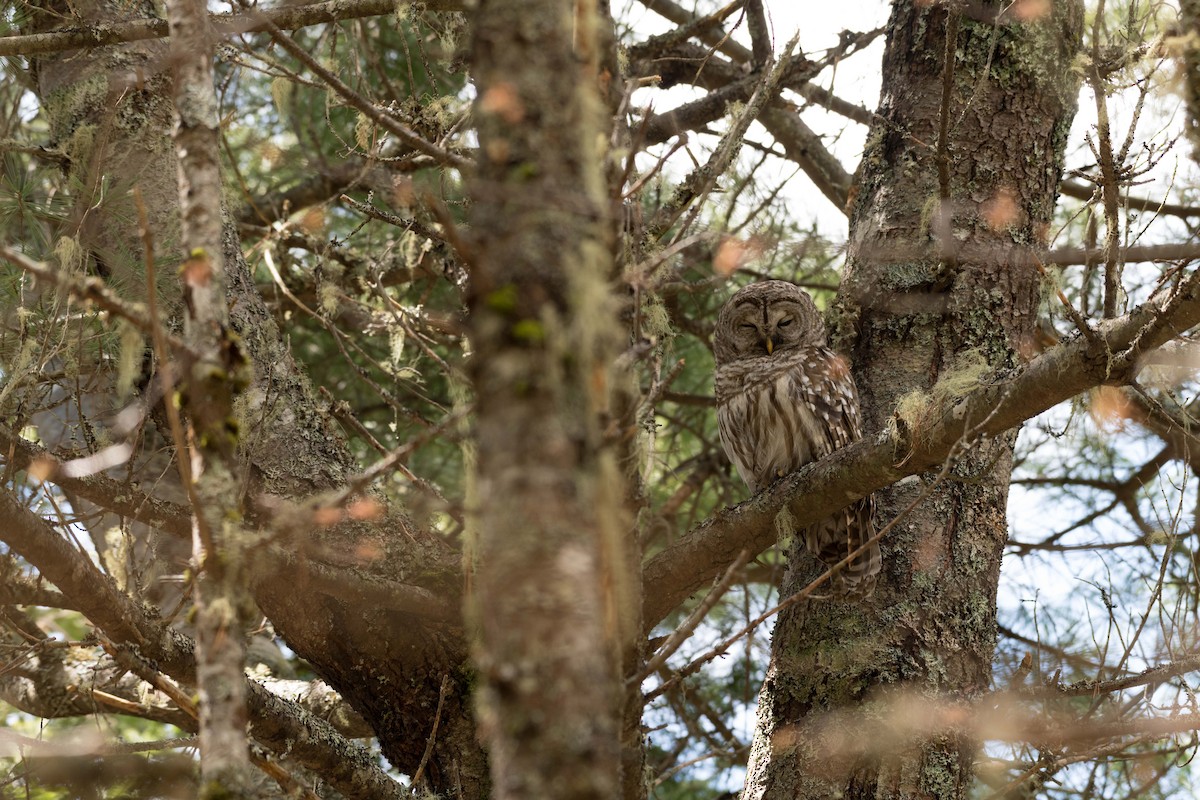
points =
(213, 384)
(1189, 23)
(549, 575)
(921, 332)
(119, 30)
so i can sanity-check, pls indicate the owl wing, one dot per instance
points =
(824, 391)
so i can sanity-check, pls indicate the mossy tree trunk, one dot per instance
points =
(962, 164)
(1189, 23)
(550, 606)
(213, 385)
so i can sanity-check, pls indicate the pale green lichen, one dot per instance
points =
(911, 408)
(364, 132)
(656, 322)
(70, 255)
(967, 374)
(282, 93)
(785, 527)
(132, 347)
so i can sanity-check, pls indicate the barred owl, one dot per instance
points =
(785, 399)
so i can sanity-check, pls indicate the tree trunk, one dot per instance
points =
(213, 384)
(960, 166)
(549, 555)
(1189, 23)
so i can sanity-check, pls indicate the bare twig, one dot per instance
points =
(1083, 191)
(93, 290)
(1108, 172)
(364, 479)
(701, 181)
(943, 145)
(689, 625)
(389, 123)
(760, 34)
(437, 718)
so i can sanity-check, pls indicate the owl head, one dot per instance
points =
(766, 318)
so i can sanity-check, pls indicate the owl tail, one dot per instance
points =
(842, 534)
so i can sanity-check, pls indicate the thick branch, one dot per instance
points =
(335, 580)
(285, 17)
(803, 146)
(1130, 255)
(714, 37)
(83, 689)
(91, 591)
(727, 84)
(277, 723)
(1020, 255)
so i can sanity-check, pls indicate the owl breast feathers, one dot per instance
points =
(785, 399)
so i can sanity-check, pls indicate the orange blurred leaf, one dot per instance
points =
(313, 220)
(732, 254)
(42, 468)
(502, 99)
(366, 551)
(1001, 210)
(1029, 10)
(403, 193)
(365, 509)
(1110, 408)
(197, 270)
(327, 517)
(498, 150)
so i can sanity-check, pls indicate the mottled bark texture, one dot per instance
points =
(1189, 42)
(212, 385)
(549, 583)
(920, 334)
(111, 109)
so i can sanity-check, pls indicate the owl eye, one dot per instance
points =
(783, 323)
(746, 326)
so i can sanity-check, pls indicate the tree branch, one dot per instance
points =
(726, 85)
(171, 518)
(1087, 192)
(83, 688)
(1020, 255)
(402, 132)
(107, 493)
(285, 17)
(278, 724)
(714, 37)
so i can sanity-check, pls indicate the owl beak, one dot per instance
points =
(770, 346)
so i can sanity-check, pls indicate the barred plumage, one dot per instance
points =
(785, 399)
